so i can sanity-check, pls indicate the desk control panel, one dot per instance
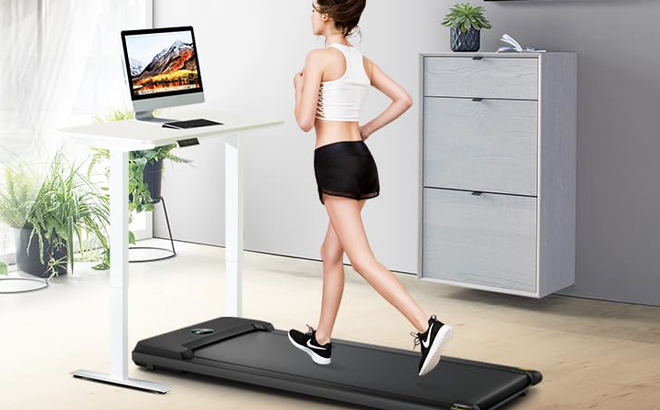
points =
(187, 142)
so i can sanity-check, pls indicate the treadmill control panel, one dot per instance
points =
(201, 331)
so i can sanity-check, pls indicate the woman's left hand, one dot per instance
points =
(364, 133)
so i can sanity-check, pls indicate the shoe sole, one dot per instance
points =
(432, 359)
(316, 358)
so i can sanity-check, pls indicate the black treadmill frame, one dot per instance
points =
(175, 352)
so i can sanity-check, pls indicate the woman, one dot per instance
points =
(330, 93)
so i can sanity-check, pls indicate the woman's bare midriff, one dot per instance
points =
(328, 132)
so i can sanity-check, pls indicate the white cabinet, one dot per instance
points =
(498, 141)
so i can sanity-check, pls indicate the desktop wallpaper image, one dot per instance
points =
(172, 68)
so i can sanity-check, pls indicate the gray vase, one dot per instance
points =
(468, 41)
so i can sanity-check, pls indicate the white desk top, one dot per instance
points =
(131, 135)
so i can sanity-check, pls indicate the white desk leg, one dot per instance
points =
(233, 225)
(119, 283)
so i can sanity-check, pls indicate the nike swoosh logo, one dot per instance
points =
(428, 338)
(309, 344)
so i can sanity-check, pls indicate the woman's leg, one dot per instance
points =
(346, 221)
(332, 255)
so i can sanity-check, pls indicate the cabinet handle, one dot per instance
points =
(477, 57)
(477, 193)
(477, 99)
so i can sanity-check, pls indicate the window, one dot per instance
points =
(61, 65)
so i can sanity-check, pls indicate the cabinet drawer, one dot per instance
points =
(489, 77)
(487, 240)
(489, 145)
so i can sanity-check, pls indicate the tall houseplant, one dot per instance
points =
(18, 191)
(52, 217)
(145, 167)
(465, 21)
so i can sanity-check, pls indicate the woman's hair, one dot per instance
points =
(345, 13)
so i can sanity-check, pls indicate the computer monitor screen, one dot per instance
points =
(162, 68)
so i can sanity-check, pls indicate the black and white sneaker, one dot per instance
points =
(432, 341)
(307, 343)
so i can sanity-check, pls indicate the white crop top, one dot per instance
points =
(342, 99)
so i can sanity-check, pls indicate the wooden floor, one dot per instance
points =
(593, 354)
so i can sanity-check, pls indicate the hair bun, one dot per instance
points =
(345, 13)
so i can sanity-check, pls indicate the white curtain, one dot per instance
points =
(60, 64)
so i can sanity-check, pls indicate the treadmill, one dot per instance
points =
(254, 352)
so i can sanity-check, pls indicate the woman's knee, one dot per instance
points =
(332, 253)
(362, 263)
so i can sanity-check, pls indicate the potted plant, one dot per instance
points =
(51, 217)
(465, 22)
(145, 167)
(17, 193)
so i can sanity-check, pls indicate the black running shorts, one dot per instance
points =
(347, 169)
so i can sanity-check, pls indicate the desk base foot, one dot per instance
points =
(128, 382)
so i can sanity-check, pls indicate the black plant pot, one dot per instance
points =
(468, 41)
(153, 176)
(28, 261)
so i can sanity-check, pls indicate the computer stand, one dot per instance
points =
(148, 116)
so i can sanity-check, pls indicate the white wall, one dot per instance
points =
(251, 49)
(248, 54)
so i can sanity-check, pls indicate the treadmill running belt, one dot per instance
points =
(366, 368)
(359, 373)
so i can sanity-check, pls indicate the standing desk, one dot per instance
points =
(122, 137)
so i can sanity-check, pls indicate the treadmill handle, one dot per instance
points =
(219, 337)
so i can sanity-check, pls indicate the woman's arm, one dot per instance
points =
(401, 100)
(307, 83)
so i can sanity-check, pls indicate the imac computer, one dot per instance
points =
(163, 71)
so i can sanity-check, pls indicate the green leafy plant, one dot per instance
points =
(67, 205)
(114, 115)
(65, 209)
(466, 16)
(139, 194)
(17, 194)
